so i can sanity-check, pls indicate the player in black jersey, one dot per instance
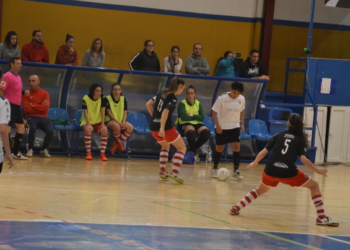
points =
(162, 128)
(281, 167)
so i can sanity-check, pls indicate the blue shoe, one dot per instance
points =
(176, 178)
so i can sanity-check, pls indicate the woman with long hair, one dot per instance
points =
(93, 119)
(173, 62)
(117, 107)
(67, 54)
(162, 128)
(94, 57)
(190, 122)
(280, 167)
(9, 48)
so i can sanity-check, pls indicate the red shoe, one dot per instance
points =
(114, 147)
(121, 146)
(88, 156)
(103, 157)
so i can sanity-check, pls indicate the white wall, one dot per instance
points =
(299, 10)
(241, 8)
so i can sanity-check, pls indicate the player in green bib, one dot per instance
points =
(190, 121)
(116, 117)
(93, 119)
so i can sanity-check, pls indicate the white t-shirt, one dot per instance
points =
(229, 110)
(5, 116)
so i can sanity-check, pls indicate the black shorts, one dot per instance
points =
(16, 115)
(181, 127)
(227, 136)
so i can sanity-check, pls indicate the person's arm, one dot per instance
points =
(163, 119)
(46, 56)
(311, 166)
(75, 60)
(125, 111)
(6, 144)
(27, 108)
(149, 106)
(200, 117)
(189, 67)
(205, 69)
(258, 158)
(18, 53)
(87, 119)
(25, 54)
(165, 64)
(60, 57)
(182, 112)
(1, 92)
(103, 111)
(243, 71)
(241, 116)
(135, 62)
(45, 105)
(86, 58)
(2, 51)
(177, 67)
(103, 57)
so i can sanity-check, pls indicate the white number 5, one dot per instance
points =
(287, 146)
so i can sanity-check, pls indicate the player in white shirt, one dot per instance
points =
(5, 115)
(228, 114)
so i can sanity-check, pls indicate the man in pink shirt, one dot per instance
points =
(11, 88)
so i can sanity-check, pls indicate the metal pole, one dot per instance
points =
(311, 27)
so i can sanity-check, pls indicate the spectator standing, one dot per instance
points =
(9, 48)
(225, 67)
(11, 88)
(195, 63)
(95, 57)
(173, 62)
(66, 54)
(253, 68)
(36, 104)
(146, 60)
(35, 51)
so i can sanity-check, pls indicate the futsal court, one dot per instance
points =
(70, 203)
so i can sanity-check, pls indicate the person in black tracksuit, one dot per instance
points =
(280, 167)
(146, 60)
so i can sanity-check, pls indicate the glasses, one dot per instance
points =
(149, 45)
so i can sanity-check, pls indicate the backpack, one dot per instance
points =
(189, 158)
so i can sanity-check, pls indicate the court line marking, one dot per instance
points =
(256, 231)
(331, 238)
(153, 197)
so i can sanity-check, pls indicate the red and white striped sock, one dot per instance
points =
(163, 159)
(177, 161)
(103, 144)
(252, 195)
(116, 136)
(318, 201)
(124, 136)
(87, 140)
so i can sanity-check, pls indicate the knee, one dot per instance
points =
(130, 128)
(20, 129)
(104, 131)
(205, 134)
(219, 148)
(191, 135)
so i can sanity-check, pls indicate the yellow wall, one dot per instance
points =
(124, 33)
(290, 42)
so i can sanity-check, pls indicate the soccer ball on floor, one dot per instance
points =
(223, 174)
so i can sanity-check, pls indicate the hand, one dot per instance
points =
(122, 126)
(26, 92)
(242, 129)
(189, 114)
(45, 102)
(218, 129)
(31, 104)
(253, 164)
(161, 133)
(322, 171)
(196, 68)
(71, 50)
(8, 156)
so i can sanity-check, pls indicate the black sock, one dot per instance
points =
(217, 157)
(236, 159)
(191, 139)
(203, 137)
(17, 145)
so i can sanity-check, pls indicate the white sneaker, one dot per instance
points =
(326, 221)
(29, 153)
(214, 173)
(45, 153)
(19, 156)
(237, 175)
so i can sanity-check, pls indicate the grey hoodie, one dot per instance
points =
(193, 61)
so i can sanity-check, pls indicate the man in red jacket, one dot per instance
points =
(35, 51)
(36, 103)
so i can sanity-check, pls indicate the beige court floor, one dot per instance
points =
(129, 192)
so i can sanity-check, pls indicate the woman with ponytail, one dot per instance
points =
(66, 54)
(160, 108)
(280, 167)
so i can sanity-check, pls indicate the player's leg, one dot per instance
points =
(17, 119)
(221, 140)
(163, 159)
(234, 138)
(125, 135)
(87, 140)
(103, 132)
(204, 135)
(317, 198)
(116, 133)
(32, 125)
(176, 140)
(190, 134)
(46, 126)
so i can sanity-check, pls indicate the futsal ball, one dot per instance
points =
(223, 174)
